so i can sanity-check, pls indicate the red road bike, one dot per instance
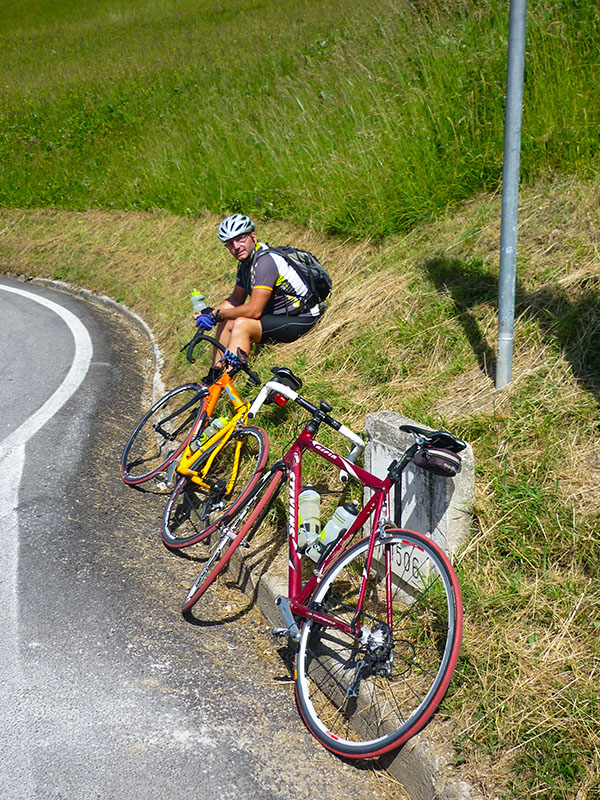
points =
(377, 627)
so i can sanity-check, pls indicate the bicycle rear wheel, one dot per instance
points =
(240, 526)
(193, 511)
(162, 433)
(361, 697)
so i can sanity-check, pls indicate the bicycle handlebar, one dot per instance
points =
(351, 457)
(196, 339)
(203, 337)
(280, 388)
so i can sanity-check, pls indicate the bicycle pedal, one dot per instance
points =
(245, 543)
(280, 632)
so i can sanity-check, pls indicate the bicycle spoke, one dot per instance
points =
(194, 510)
(161, 434)
(238, 526)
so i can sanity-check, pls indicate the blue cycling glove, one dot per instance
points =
(205, 322)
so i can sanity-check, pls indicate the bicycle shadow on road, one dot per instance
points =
(567, 313)
(240, 580)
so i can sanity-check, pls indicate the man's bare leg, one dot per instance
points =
(244, 333)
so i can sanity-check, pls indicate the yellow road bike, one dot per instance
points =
(211, 472)
(216, 476)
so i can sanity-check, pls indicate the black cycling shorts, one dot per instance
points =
(284, 328)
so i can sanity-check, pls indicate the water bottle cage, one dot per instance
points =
(328, 548)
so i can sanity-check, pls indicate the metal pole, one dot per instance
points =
(510, 191)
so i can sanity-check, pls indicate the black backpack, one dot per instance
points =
(313, 273)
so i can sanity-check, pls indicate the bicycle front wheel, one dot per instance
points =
(239, 527)
(162, 433)
(363, 695)
(193, 511)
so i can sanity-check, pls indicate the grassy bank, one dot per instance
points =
(358, 119)
(412, 327)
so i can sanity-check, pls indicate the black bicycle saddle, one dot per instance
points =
(287, 378)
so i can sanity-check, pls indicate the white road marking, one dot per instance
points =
(78, 371)
(12, 461)
(12, 448)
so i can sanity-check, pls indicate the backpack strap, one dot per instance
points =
(243, 275)
(304, 299)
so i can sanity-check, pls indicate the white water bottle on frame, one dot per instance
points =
(339, 523)
(209, 431)
(309, 522)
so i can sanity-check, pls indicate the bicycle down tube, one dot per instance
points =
(189, 457)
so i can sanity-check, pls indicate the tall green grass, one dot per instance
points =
(360, 119)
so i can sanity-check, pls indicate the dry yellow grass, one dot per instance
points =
(412, 326)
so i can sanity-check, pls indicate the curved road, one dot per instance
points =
(106, 691)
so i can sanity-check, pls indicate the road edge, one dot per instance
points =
(158, 386)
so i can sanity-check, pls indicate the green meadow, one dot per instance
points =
(372, 134)
(354, 118)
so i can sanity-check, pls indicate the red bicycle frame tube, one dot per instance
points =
(299, 594)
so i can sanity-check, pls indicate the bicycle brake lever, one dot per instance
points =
(253, 377)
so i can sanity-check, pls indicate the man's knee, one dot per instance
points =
(247, 327)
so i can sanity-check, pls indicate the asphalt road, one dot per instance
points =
(106, 691)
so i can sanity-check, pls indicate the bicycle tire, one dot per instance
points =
(162, 433)
(193, 512)
(362, 698)
(243, 522)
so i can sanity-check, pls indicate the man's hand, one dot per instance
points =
(205, 322)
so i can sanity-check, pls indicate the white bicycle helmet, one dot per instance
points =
(233, 226)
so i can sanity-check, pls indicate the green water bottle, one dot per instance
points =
(198, 301)
(208, 432)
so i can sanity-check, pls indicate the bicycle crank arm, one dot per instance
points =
(170, 473)
(291, 628)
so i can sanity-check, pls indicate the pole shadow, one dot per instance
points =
(568, 314)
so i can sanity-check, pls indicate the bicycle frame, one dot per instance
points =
(218, 440)
(299, 595)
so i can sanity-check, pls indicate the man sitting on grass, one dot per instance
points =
(274, 311)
